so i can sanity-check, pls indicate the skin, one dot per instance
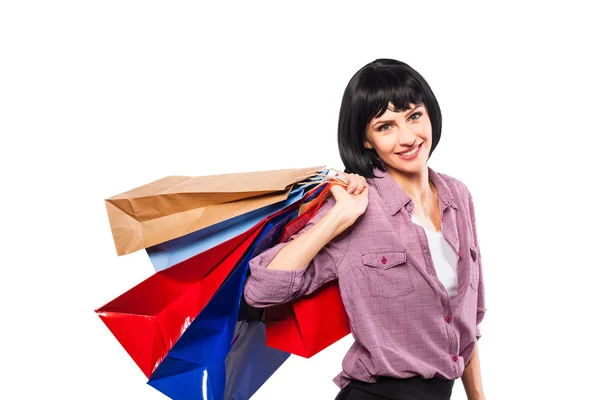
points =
(397, 132)
(471, 377)
(389, 134)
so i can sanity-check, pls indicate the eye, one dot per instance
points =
(417, 113)
(380, 128)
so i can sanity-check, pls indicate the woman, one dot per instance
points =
(402, 243)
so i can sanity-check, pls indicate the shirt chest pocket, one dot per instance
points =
(474, 266)
(388, 273)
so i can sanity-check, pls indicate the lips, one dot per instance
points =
(413, 155)
(409, 150)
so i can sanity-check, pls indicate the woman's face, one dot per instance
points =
(394, 134)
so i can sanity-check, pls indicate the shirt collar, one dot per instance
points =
(396, 197)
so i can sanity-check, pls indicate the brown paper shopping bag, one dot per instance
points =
(177, 205)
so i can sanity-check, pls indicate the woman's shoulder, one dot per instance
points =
(457, 187)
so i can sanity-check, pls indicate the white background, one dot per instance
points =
(99, 97)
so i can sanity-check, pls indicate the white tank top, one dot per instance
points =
(444, 258)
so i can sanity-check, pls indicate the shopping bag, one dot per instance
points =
(151, 316)
(311, 323)
(167, 254)
(250, 362)
(194, 369)
(196, 366)
(178, 205)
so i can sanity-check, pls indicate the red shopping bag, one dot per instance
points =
(312, 323)
(149, 318)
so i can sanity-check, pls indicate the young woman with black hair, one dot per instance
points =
(402, 242)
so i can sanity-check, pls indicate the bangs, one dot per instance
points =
(368, 95)
(382, 86)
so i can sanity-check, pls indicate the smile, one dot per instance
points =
(409, 155)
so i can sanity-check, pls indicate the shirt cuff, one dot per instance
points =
(480, 315)
(266, 287)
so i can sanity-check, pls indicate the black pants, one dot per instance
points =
(414, 388)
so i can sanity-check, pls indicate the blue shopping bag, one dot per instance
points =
(250, 362)
(195, 368)
(169, 253)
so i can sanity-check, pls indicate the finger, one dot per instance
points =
(359, 188)
(336, 192)
(362, 185)
(365, 184)
(352, 184)
(357, 183)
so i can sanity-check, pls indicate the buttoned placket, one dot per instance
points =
(453, 343)
(398, 200)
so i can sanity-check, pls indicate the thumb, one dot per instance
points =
(338, 192)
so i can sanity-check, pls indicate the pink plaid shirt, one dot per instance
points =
(402, 319)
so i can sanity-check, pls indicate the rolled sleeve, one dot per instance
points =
(270, 286)
(480, 314)
(266, 287)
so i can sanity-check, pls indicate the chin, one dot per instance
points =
(407, 167)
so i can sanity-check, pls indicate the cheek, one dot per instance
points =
(387, 144)
(424, 129)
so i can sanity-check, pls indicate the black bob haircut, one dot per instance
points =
(367, 96)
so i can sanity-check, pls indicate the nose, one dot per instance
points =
(405, 136)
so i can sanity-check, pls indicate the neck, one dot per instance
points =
(416, 185)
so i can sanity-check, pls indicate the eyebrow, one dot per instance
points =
(391, 120)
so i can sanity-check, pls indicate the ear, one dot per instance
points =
(367, 144)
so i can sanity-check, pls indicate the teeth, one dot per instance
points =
(410, 153)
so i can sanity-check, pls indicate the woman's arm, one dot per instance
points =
(346, 209)
(309, 258)
(300, 251)
(306, 261)
(471, 377)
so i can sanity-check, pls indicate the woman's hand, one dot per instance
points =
(351, 202)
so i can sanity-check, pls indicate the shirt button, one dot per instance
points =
(442, 217)
(460, 253)
(448, 319)
(455, 358)
(384, 260)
